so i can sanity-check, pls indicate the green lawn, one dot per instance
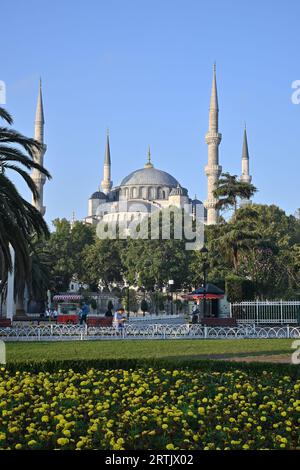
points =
(139, 349)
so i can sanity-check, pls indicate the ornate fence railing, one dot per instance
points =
(266, 312)
(153, 318)
(154, 331)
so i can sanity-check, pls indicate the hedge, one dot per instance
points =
(205, 365)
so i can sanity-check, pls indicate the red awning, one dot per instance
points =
(67, 297)
(201, 296)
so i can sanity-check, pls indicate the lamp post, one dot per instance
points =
(0, 298)
(171, 284)
(128, 301)
(204, 251)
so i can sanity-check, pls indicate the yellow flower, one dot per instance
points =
(32, 442)
(170, 446)
(62, 441)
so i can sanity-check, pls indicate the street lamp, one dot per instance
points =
(128, 300)
(1, 298)
(204, 251)
(171, 284)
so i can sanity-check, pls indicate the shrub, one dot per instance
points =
(238, 289)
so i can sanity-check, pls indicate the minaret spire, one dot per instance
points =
(38, 177)
(213, 139)
(106, 183)
(39, 117)
(245, 177)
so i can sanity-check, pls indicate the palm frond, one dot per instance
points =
(5, 115)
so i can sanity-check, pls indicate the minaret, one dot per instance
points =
(73, 220)
(106, 183)
(245, 176)
(38, 177)
(213, 169)
(245, 160)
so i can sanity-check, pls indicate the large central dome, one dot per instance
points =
(150, 176)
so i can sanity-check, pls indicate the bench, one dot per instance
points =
(212, 321)
(5, 322)
(103, 321)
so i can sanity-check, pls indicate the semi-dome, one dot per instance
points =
(149, 176)
(178, 191)
(98, 195)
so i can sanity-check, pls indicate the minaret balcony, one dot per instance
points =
(213, 138)
(213, 170)
(211, 203)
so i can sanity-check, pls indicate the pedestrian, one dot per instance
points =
(85, 311)
(195, 313)
(108, 313)
(55, 315)
(48, 314)
(80, 317)
(118, 321)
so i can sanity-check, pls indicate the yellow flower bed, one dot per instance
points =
(148, 409)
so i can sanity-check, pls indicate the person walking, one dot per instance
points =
(195, 313)
(118, 321)
(84, 313)
(55, 315)
(48, 314)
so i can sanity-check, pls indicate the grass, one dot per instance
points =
(142, 349)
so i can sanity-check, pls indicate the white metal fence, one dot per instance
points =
(266, 312)
(154, 331)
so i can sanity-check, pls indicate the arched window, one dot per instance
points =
(152, 193)
(144, 193)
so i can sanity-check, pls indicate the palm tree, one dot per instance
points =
(230, 189)
(19, 220)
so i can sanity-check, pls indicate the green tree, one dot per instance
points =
(144, 306)
(67, 245)
(237, 236)
(133, 300)
(229, 190)
(102, 262)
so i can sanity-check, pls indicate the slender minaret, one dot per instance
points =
(245, 160)
(73, 220)
(38, 177)
(213, 169)
(245, 176)
(106, 183)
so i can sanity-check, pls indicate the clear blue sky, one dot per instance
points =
(144, 69)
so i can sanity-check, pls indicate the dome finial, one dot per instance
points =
(149, 163)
